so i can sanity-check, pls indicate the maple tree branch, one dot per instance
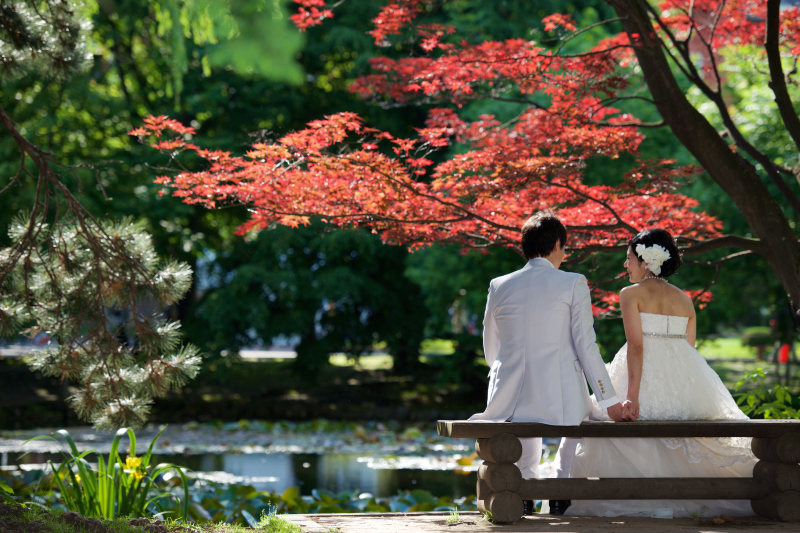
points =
(687, 67)
(717, 98)
(578, 260)
(614, 99)
(698, 247)
(373, 216)
(659, 124)
(777, 79)
(600, 227)
(512, 101)
(720, 261)
(437, 199)
(574, 34)
(622, 223)
(710, 284)
(593, 52)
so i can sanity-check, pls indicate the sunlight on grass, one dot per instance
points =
(366, 362)
(725, 348)
(437, 347)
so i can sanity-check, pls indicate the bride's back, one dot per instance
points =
(658, 297)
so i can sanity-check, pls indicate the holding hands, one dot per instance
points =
(632, 406)
(628, 411)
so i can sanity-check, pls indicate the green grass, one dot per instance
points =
(275, 523)
(50, 521)
(725, 348)
(437, 347)
(697, 515)
(366, 362)
(453, 518)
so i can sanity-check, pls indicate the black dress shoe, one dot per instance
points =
(559, 506)
(528, 508)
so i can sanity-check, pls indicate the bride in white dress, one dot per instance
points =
(664, 377)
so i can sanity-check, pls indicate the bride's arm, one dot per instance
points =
(691, 330)
(633, 334)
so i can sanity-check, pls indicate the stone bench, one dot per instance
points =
(774, 488)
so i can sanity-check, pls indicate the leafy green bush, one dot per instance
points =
(761, 400)
(116, 488)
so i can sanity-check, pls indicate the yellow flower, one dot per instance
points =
(137, 475)
(78, 477)
(132, 462)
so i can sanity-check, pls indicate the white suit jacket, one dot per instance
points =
(539, 341)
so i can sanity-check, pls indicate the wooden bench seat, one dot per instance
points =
(774, 488)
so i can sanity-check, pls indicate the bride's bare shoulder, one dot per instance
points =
(684, 300)
(631, 292)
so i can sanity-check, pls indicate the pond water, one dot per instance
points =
(334, 472)
(375, 459)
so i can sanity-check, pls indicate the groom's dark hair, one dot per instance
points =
(540, 233)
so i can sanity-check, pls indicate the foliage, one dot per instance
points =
(758, 336)
(47, 38)
(569, 113)
(67, 283)
(333, 291)
(51, 521)
(272, 523)
(61, 52)
(116, 488)
(759, 400)
(238, 504)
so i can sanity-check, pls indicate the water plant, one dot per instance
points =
(219, 503)
(115, 488)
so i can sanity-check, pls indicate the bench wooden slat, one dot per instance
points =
(640, 429)
(645, 489)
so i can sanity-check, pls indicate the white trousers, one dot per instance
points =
(564, 456)
(528, 463)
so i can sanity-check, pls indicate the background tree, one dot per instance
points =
(335, 168)
(96, 289)
(333, 291)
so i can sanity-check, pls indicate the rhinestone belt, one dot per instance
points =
(666, 335)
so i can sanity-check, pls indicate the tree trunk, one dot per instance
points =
(735, 175)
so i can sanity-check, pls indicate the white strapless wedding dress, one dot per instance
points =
(677, 384)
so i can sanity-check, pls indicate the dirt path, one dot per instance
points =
(472, 523)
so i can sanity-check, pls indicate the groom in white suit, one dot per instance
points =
(539, 341)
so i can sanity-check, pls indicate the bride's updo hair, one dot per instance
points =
(664, 239)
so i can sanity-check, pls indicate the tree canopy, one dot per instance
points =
(571, 111)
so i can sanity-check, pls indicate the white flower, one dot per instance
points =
(654, 256)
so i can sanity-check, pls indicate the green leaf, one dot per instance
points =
(264, 42)
(374, 508)
(252, 522)
(290, 494)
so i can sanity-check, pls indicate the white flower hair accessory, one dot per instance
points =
(654, 256)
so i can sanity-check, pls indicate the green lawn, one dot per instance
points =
(366, 362)
(725, 348)
(723, 352)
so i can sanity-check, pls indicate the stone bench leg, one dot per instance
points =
(499, 479)
(779, 458)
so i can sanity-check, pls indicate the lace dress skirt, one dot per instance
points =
(677, 384)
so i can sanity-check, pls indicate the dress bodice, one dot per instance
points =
(653, 323)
